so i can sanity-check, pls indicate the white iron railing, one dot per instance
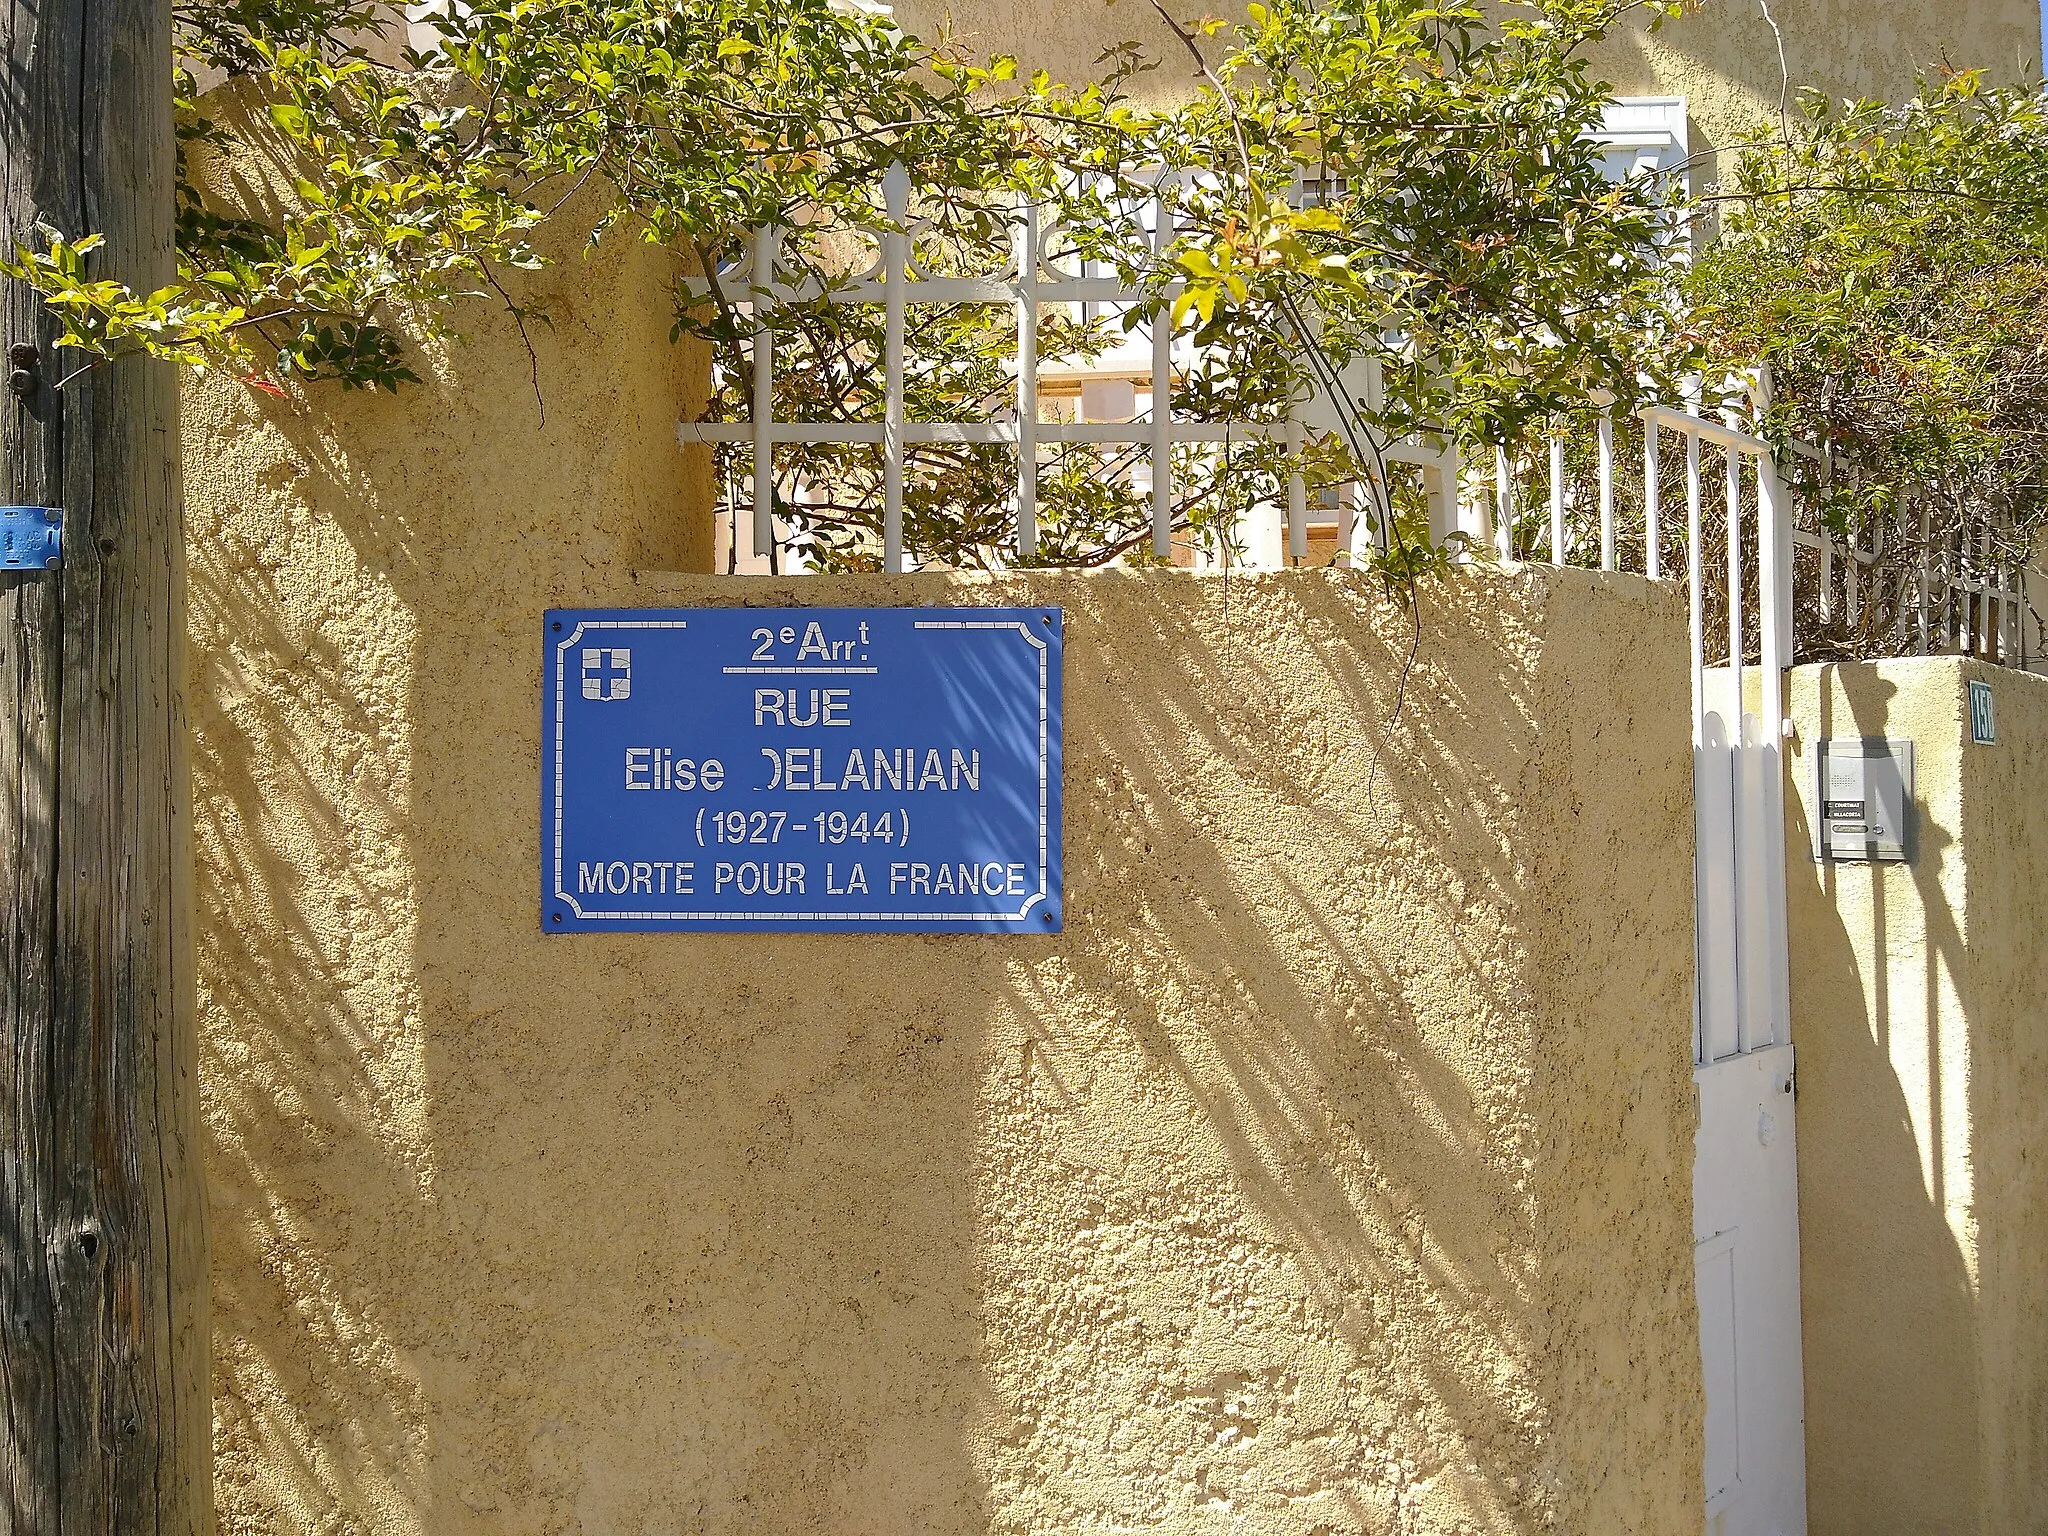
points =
(1959, 596)
(1961, 599)
(1743, 995)
(1037, 275)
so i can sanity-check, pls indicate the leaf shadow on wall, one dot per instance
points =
(1888, 1309)
(310, 1081)
(1269, 1103)
(360, 568)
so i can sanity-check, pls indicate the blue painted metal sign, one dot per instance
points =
(31, 538)
(837, 769)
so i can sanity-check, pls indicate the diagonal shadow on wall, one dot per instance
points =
(1233, 1203)
(1886, 1295)
(1306, 964)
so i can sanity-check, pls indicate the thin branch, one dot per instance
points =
(1784, 73)
(1951, 193)
(519, 319)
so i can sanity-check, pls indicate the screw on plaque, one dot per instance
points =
(24, 363)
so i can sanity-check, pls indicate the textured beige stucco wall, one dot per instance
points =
(1920, 1007)
(2005, 994)
(1331, 1173)
(339, 545)
(1721, 55)
(1065, 37)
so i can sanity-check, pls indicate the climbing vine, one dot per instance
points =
(1402, 182)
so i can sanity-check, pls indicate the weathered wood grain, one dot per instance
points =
(103, 1359)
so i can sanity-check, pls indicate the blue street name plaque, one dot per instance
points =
(839, 769)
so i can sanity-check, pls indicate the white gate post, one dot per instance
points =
(1162, 389)
(765, 242)
(895, 264)
(1774, 619)
(1745, 1173)
(1026, 250)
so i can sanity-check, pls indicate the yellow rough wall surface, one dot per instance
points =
(1721, 55)
(1920, 1007)
(1330, 1173)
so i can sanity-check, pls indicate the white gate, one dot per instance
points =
(1745, 1175)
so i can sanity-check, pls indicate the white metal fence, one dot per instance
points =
(1958, 592)
(1040, 273)
(1957, 596)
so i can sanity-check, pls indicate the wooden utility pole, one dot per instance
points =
(103, 1348)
